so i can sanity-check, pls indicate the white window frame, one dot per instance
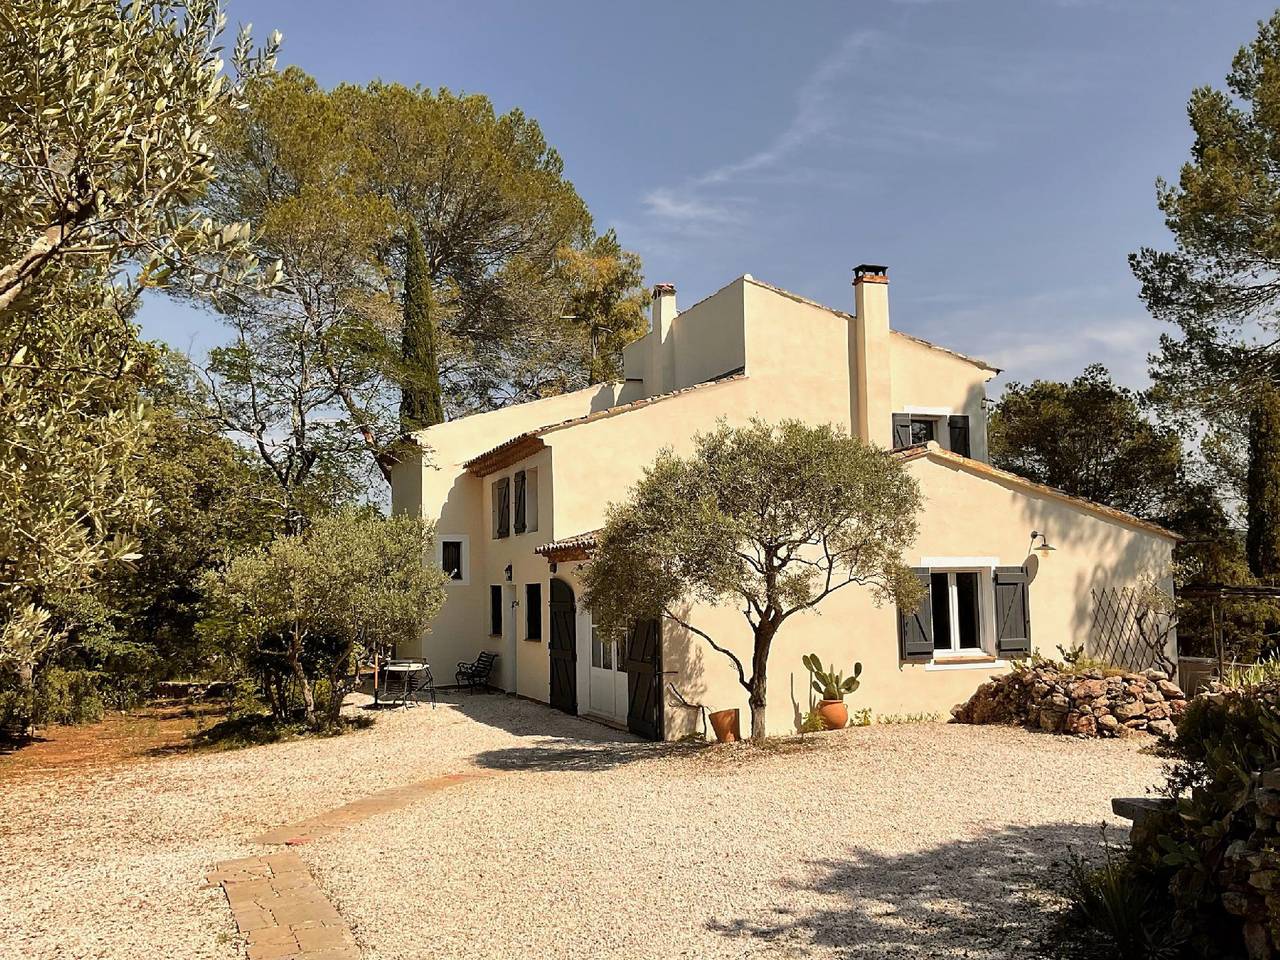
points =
(986, 605)
(941, 423)
(465, 540)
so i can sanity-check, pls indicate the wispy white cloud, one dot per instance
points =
(1051, 335)
(686, 207)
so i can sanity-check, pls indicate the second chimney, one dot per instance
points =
(662, 353)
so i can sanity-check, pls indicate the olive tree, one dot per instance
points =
(311, 605)
(105, 114)
(772, 519)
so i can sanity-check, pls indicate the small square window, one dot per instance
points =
(451, 558)
(923, 429)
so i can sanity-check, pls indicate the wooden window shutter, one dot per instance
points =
(915, 627)
(1013, 611)
(959, 427)
(520, 502)
(502, 494)
(901, 430)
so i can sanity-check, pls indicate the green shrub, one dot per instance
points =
(1211, 858)
(1110, 899)
(67, 696)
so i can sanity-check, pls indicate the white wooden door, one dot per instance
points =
(607, 693)
(507, 655)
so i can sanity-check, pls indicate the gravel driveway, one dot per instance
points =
(926, 840)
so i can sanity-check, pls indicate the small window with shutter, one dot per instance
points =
(967, 613)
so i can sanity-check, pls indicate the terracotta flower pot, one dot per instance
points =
(725, 724)
(834, 714)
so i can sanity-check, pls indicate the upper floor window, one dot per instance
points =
(526, 501)
(949, 430)
(453, 555)
(501, 508)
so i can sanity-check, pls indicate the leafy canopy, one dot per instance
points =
(1089, 438)
(106, 110)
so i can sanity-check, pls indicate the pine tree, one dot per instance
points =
(1263, 484)
(420, 404)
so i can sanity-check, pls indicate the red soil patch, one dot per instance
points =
(148, 732)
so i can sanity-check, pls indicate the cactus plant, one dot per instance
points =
(830, 684)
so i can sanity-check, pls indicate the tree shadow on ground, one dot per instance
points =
(986, 897)
(557, 741)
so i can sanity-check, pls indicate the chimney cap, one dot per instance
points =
(869, 270)
(664, 289)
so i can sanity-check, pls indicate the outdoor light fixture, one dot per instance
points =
(508, 573)
(1045, 546)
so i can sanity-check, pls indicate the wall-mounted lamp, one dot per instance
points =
(554, 566)
(508, 573)
(1044, 546)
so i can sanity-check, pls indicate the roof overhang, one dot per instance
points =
(579, 547)
(505, 454)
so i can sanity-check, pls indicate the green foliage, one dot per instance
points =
(896, 719)
(860, 718)
(606, 301)
(1210, 287)
(1245, 676)
(420, 403)
(1090, 439)
(120, 100)
(1111, 900)
(770, 519)
(1185, 858)
(813, 722)
(1262, 485)
(301, 613)
(830, 684)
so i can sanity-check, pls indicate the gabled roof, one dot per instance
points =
(530, 442)
(849, 316)
(934, 452)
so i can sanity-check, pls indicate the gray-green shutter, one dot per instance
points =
(959, 428)
(1013, 611)
(901, 430)
(502, 493)
(520, 502)
(915, 627)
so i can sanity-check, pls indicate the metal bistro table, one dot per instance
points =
(402, 679)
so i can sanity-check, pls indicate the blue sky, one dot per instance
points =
(998, 155)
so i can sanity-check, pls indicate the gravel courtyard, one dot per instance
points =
(926, 840)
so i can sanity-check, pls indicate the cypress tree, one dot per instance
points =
(420, 404)
(1262, 541)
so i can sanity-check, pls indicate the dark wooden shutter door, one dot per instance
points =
(562, 651)
(502, 490)
(520, 525)
(959, 427)
(915, 627)
(644, 680)
(1013, 611)
(901, 430)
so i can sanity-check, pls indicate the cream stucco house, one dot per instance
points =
(517, 494)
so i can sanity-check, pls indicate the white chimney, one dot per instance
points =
(869, 349)
(662, 351)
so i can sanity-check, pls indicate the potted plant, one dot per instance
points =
(833, 687)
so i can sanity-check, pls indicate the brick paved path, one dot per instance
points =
(280, 909)
(276, 902)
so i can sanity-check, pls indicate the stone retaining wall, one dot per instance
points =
(1088, 704)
